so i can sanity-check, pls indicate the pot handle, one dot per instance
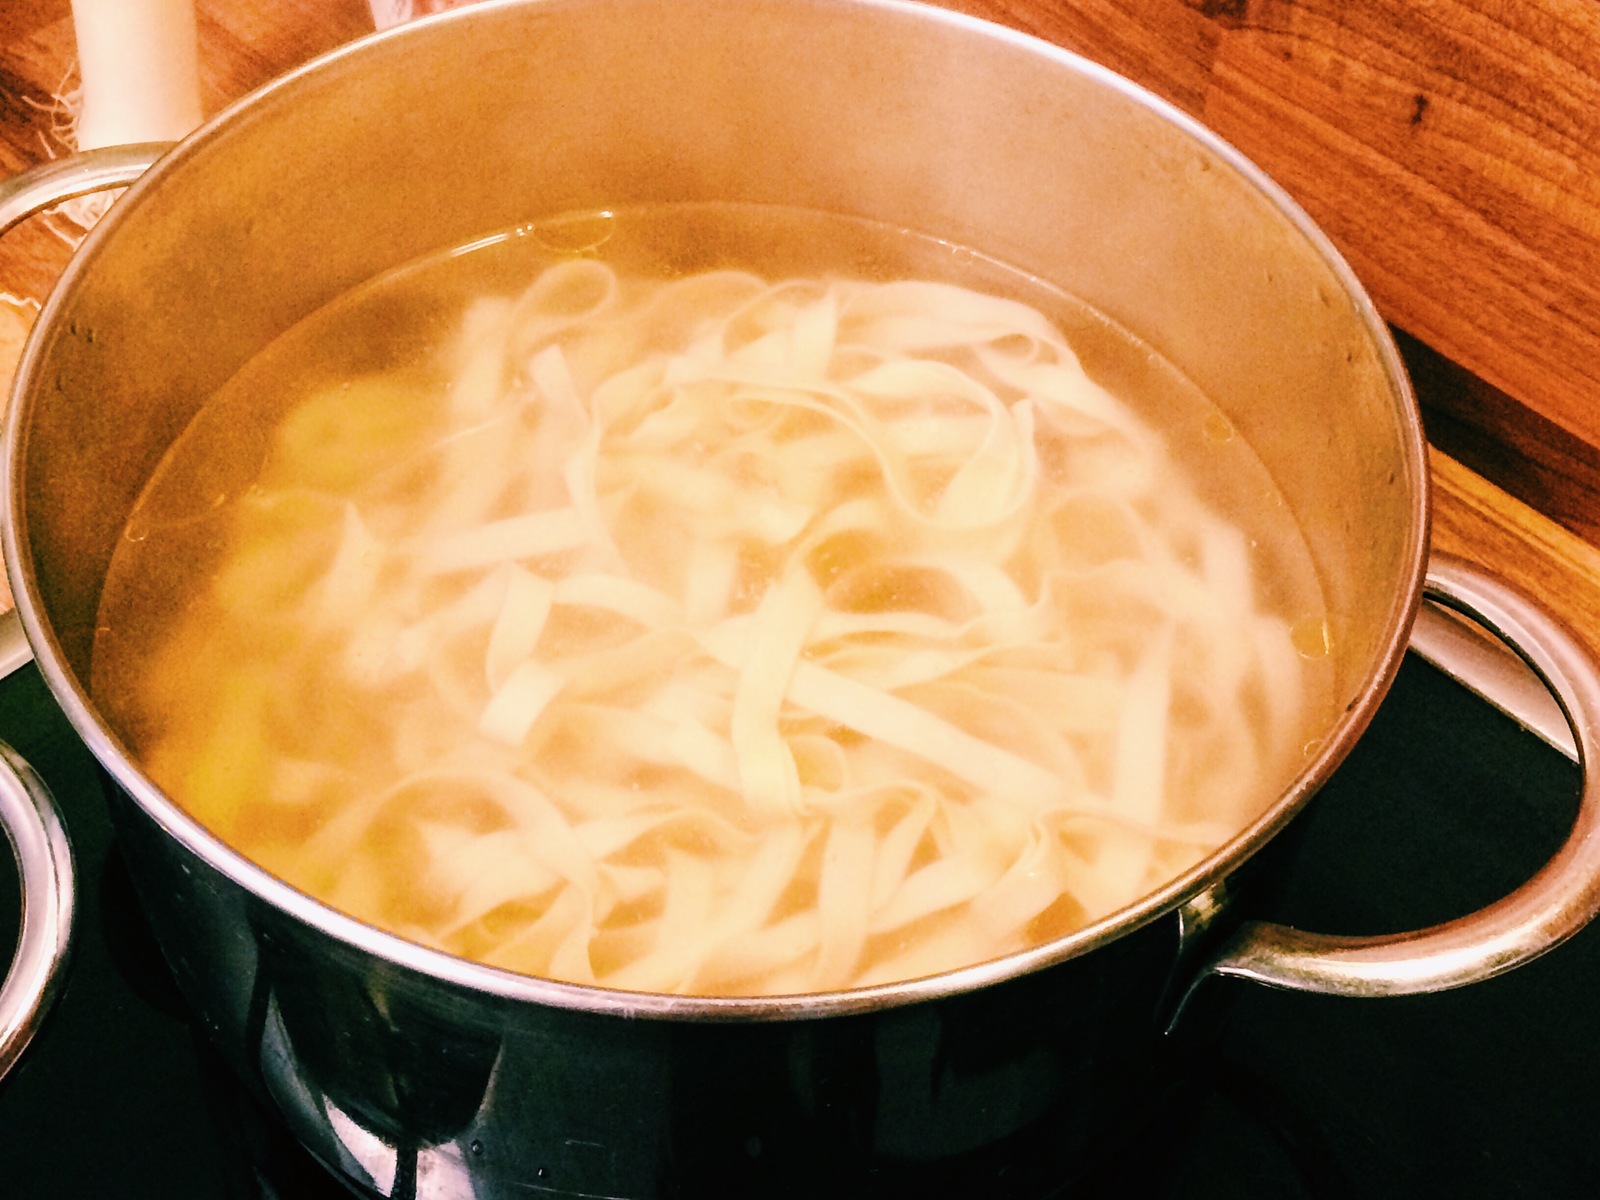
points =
(92, 171)
(38, 838)
(28, 813)
(1558, 901)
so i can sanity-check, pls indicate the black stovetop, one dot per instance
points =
(1490, 1091)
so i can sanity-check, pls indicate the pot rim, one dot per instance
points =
(477, 977)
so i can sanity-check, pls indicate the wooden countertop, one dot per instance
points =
(1451, 150)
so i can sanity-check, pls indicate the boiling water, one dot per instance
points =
(709, 730)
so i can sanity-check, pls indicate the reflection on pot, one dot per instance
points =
(1008, 1091)
(372, 1082)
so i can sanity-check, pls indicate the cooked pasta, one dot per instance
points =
(716, 634)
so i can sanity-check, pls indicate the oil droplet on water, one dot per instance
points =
(1219, 428)
(576, 234)
(1311, 637)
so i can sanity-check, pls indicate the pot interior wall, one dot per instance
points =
(432, 136)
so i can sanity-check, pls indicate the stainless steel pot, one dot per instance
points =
(414, 1074)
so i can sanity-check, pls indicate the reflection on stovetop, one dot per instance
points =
(1486, 1092)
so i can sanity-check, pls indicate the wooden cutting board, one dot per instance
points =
(1451, 148)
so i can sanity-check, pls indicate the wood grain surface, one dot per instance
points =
(1451, 149)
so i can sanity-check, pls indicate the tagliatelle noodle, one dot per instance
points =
(726, 636)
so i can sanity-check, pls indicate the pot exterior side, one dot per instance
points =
(385, 1074)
